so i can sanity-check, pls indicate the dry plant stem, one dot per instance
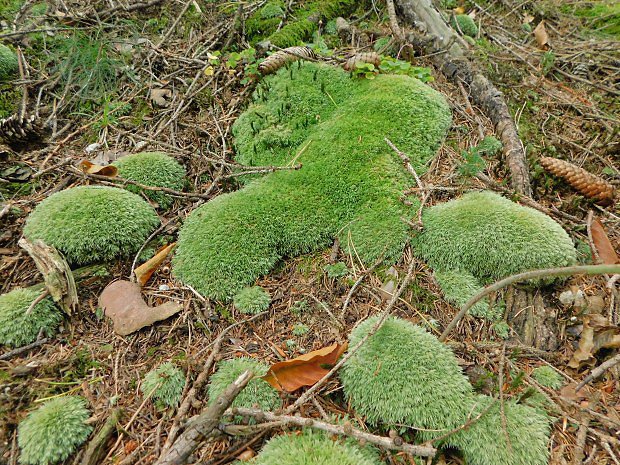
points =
(95, 450)
(203, 426)
(396, 30)
(502, 411)
(341, 430)
(547, 272)
(357, 283)
(386, 313)
(132, 275)
(598, 371)
(580, 444)
(267, 169)
(22, 349)
(201, 380)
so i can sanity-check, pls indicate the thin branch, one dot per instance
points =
(598, 371)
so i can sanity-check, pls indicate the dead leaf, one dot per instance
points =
(123, 303)
(304, 370)
(89, 167)
(246, 455)
(146, 270)
(542, 38)
(597, 334)
(527, 18)
(602, 244)
(161, 96)
(389, 285)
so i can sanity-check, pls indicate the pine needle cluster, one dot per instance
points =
(92, 223)
(54, 431)
(17, 326)
(155, 169)
(252, 300)
(164, 384)
(304, 112)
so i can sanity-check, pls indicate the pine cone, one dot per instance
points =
(15, 131)
(587, 183)
(279, 59)
(366, 57)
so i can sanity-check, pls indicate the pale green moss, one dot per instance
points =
(8, 63)
(17, 328)
(459, 286)
(351, 192)
(53, 432)
(164, 384)
(314, 448)
(548, 377)
(92, 223)
(465, 24)
(154, 169)
(252, 300)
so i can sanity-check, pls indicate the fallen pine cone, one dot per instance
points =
(587, 183)
(15, 130)
(366, 57)
(279, 59)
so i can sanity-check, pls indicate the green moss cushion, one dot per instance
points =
(491, 237)
(485, 443)
(92, 223)
(8, 63)
(258, 393)
(53, 432)
(314, 448)
(404, 375)
(349, 186)
(465, 24)
(17, 328)
(252, 300)
(165, 384)
(460, 286)
(154, 169)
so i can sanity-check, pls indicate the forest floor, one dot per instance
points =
(565, 101)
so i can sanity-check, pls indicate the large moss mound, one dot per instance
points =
(349, 185)
(314, 448)
(92, 223)
(155, 169)
(8, 63)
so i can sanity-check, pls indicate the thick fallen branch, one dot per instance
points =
(446, 49)
(517, 278)
(204, 425)
(395, 443)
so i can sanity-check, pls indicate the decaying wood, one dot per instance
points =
(56, 273)
(204, 425)
(96, 447)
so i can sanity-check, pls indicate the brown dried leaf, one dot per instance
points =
(145, 271)
(542, 38)
(89, 167)
(304, 370)
(246, 455)
(123, 303)
(603, 245)
(597, 334)
(161, 96)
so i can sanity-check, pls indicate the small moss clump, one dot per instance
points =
(465, 24)
(252, 300)
(337, 270)
(314, 448)
(164, 384)
(303, 113)
(484, 442)
(154, 169)
(459, 286)
(92, 223)
(258, 393)
(17, 328)
(404, 375)
(548, 377)
(54, 431)
(8, 63)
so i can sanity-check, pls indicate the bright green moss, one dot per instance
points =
(91, 223)
(404, 375)
(314, 448)
(349, 186)
(53, 432)
(258, 393)
(8, 63)
(164, 384)
(466, 25)
(459, 286)
(18, 328)
(265, 20)
(337, 270)
(548, 377)
(252, 300)
(154, 169)
(484, 442)
(491, 238)
(489, 146)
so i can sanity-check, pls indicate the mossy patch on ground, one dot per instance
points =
(349, 186)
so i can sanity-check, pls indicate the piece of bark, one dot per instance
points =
(56, 273)
(96, 446)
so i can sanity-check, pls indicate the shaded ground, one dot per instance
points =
(565, 101)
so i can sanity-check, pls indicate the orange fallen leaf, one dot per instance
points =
(145, 271)
(123, 303)
(542, 38)
(304, 370)
(602, 244)
(89, 167)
